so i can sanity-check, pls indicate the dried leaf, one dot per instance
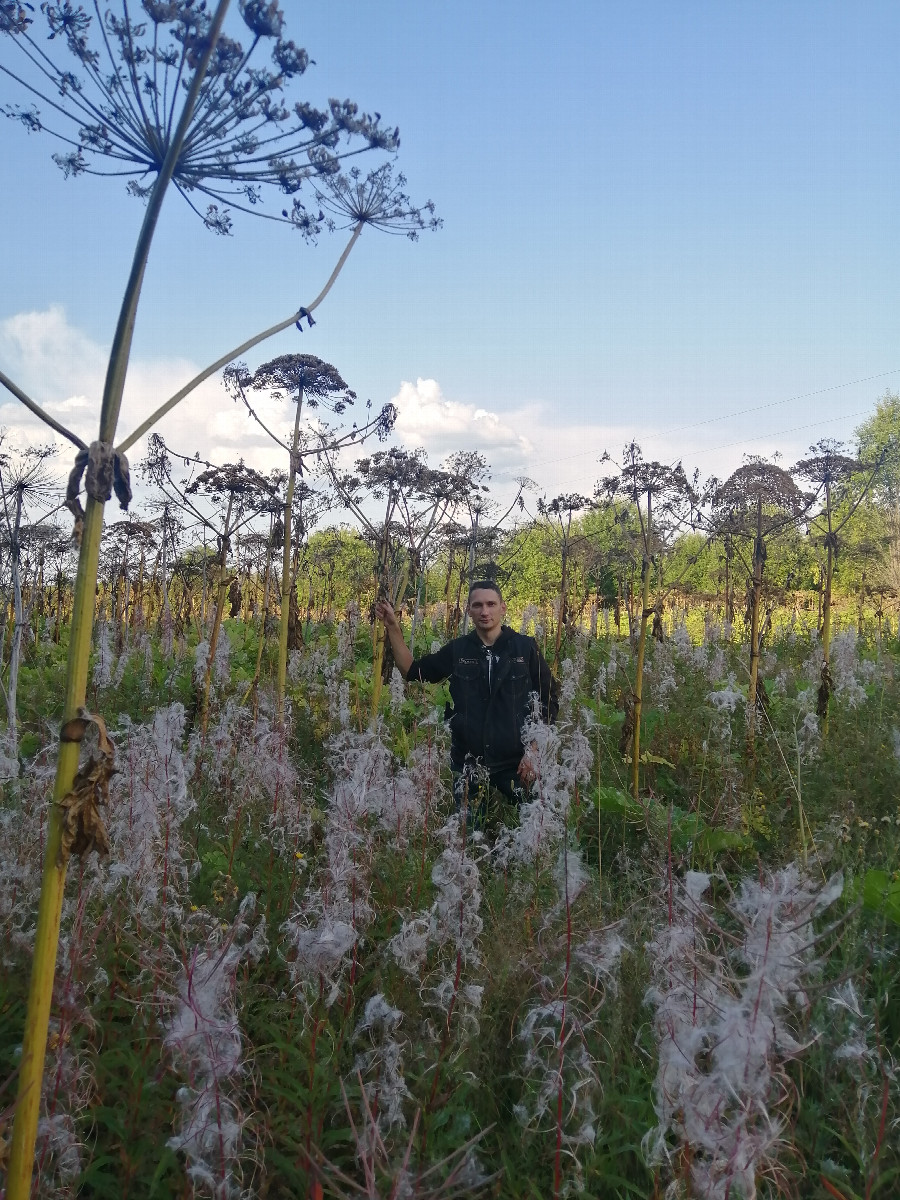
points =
(72, 502)
(98, 478)
(83, 827)
(122, 480)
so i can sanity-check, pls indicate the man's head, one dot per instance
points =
(487, 610)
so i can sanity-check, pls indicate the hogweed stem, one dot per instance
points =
(34, 1043)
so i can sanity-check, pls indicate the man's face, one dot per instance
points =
(486, 609)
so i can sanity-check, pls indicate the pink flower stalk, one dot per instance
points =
(561, 1079)
(149, 804)
(724, 1024)
(22, 824)
(380, 1063)
(204, 1038)
(328, 922)
(561, 758)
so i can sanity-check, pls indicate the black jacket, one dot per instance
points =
(490, 700)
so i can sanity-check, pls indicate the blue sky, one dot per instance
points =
(656, 216)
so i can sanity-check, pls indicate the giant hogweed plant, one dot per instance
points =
(413, 495)
(842, 483)
(661, 498)
(303, 378)
(166, 100)
(26, 487)
(758, 503)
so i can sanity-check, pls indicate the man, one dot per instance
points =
(493, 673)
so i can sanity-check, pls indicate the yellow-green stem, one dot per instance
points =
(286, 572)
(380, 641)
(40, 995)
(34, 1041)
(377, 665)
(826, 612)
(639, 681)
(221, 598)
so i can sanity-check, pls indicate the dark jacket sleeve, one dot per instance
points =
(544, 684)
(432, 668)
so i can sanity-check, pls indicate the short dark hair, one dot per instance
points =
(485, 585)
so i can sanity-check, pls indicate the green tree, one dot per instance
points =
(879, 439)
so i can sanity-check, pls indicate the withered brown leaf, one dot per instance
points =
(83, 828)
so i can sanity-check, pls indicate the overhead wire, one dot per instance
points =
(743, 412)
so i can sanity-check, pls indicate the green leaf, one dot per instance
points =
(612, 800)
(881, 893)
(715, 841)
(647, 757)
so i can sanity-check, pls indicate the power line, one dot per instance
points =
(834, 387)
(744, 441)
(781, 432)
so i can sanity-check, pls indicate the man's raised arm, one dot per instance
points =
(402, 655)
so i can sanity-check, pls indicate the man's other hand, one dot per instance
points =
(527, 772)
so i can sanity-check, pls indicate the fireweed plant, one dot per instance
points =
(299, 967)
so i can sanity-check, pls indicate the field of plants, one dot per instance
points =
(288, 967)
(249, 946)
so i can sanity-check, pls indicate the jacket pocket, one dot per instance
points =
(468, 671)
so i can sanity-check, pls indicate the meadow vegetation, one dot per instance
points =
(247, 945)
(288, 967)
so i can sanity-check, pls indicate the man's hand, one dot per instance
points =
(385, 613)
(527, 771)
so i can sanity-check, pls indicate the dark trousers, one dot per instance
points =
(474, 786)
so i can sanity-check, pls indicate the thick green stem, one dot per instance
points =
(756, 596)
(34, 1042)
(639, 680)
(221, 597)
(121, 346)
(377, 666)
(420, 594)
(381, 642)
(287, 577)
(451, 562)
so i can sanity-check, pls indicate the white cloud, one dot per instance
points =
(530, 441)
(426, 418)
(63, 369)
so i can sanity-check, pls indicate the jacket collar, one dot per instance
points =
(505, 634)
